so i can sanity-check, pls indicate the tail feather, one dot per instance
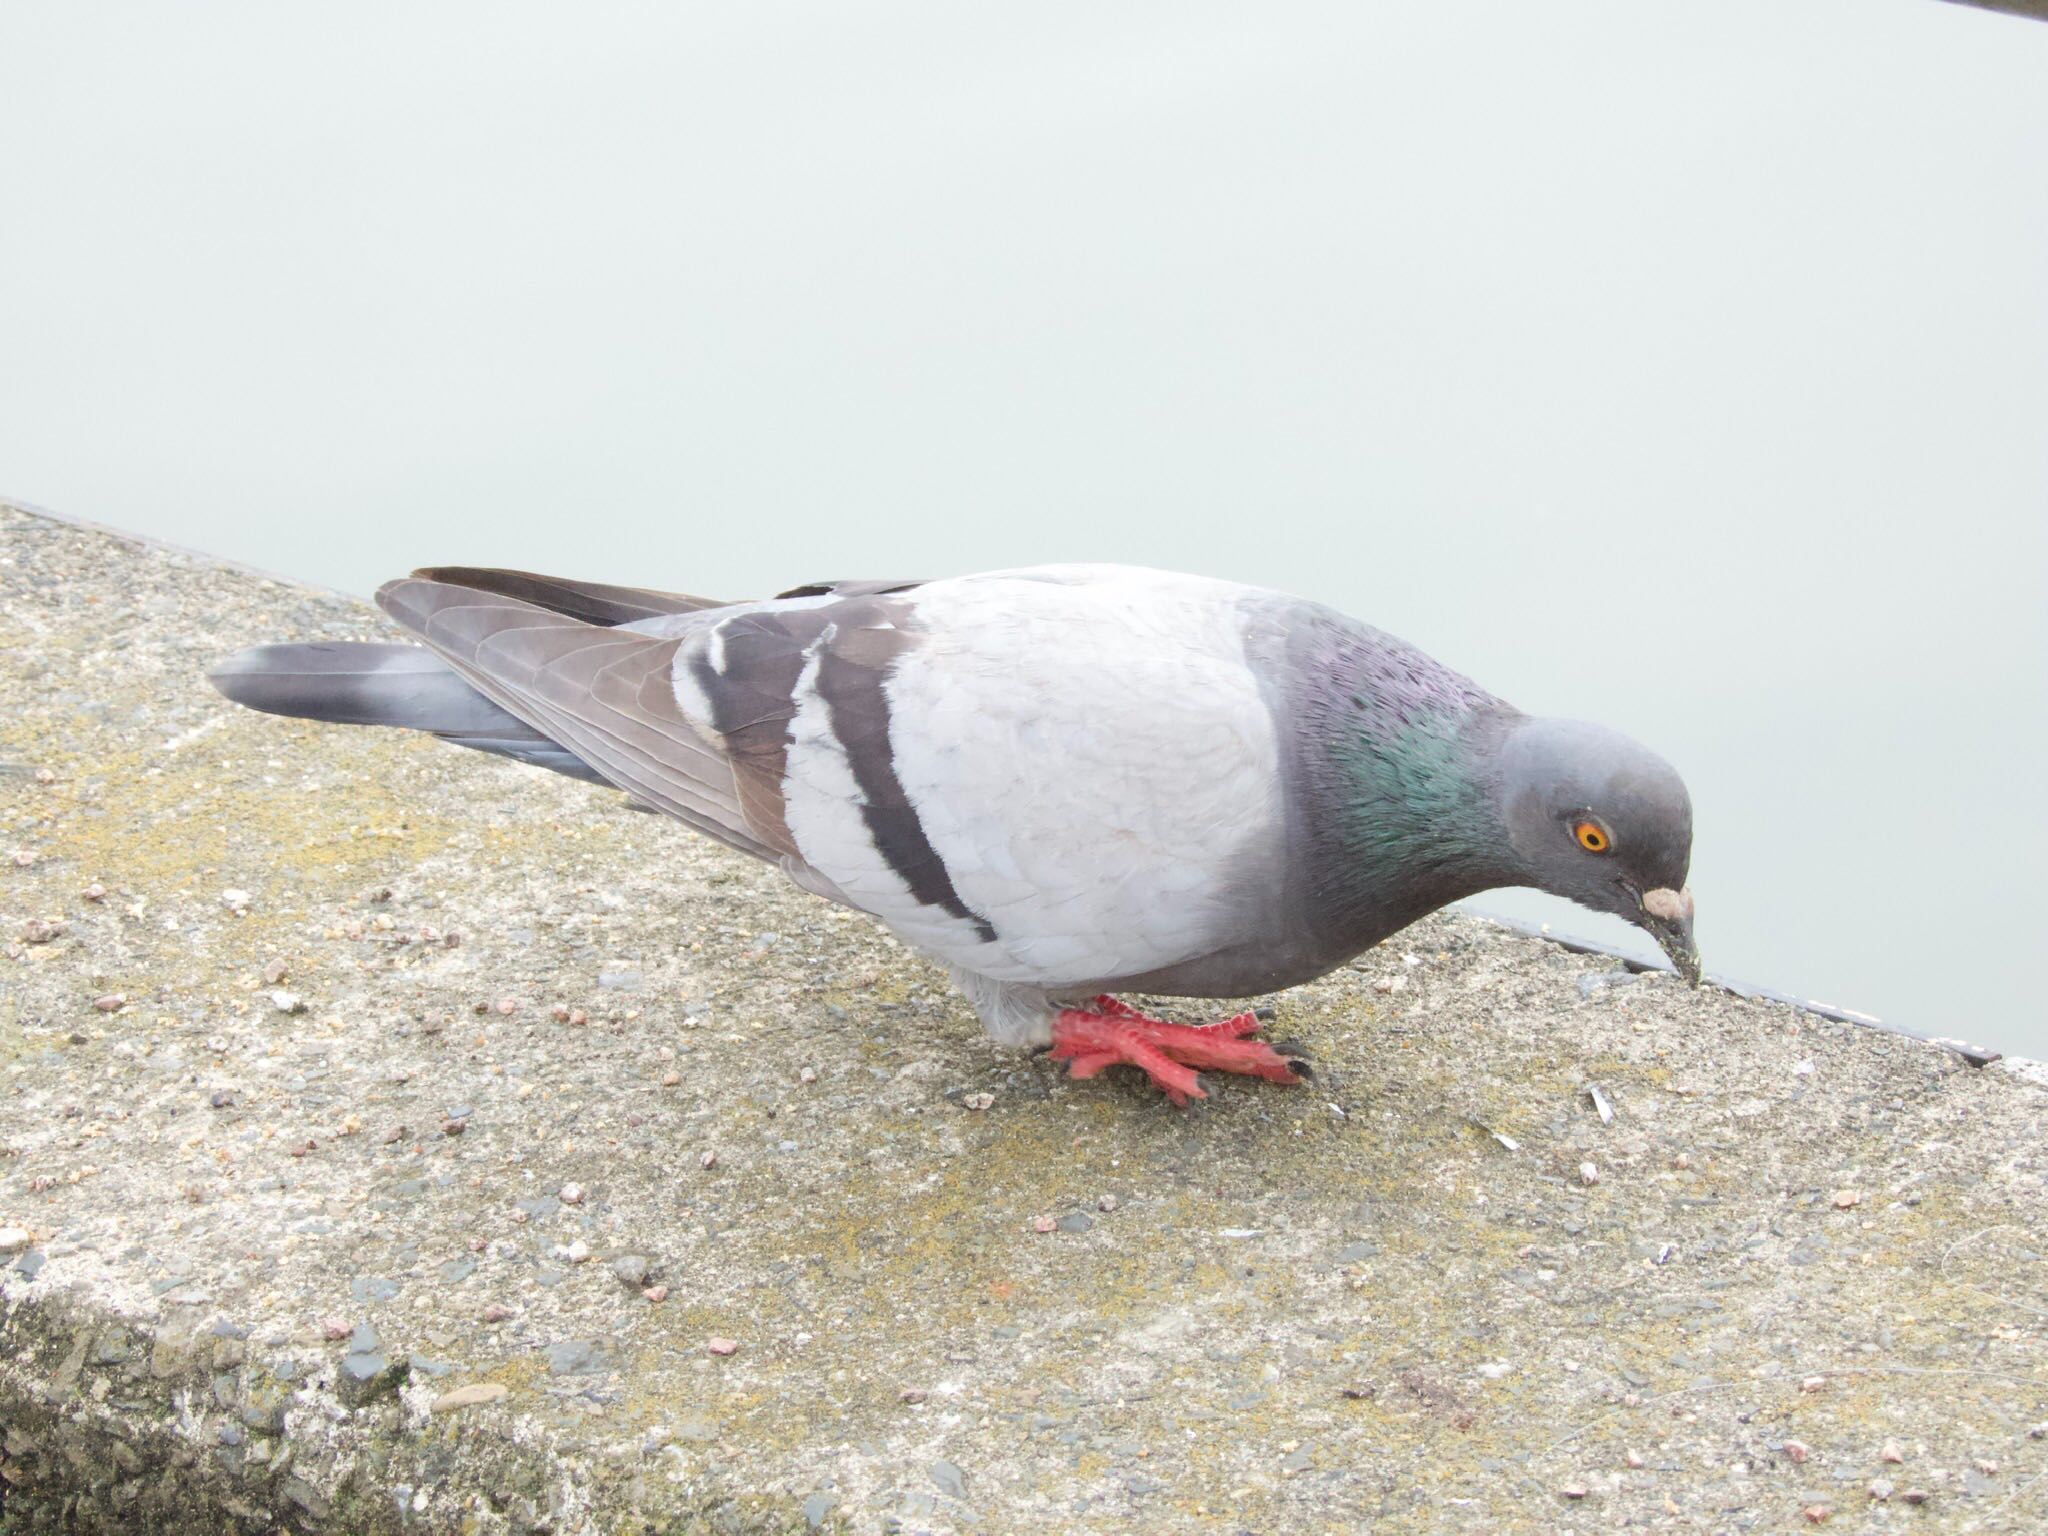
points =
(347, 683)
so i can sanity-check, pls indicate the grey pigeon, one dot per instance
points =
(1058, 782)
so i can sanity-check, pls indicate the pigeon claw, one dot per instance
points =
(1108, 1032)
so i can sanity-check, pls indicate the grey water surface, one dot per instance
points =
(1682, 368)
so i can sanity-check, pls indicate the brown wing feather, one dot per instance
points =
(594, 602)
(594, 690)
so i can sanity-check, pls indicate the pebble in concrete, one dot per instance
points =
(366, 1372)
(468, 1396)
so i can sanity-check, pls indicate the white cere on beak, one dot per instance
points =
(1672, 906)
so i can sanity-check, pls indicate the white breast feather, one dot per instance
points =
(1089, 760)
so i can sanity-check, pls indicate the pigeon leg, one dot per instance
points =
(1100, 1036)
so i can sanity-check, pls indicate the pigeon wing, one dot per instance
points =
(603, 693)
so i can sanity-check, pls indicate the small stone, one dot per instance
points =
(396, 1133)
(632, 1270)
(1893, 1453)
(655, 1293)
(333, 1329)
(508, 1006)
(913, 1395)
(807, 1075)
(570, 1194)
(301, 1148)
(1106, 1203)
(1573, 1491)
(113, 1002)
(1915, 1496)
(1880, 1489)
(1589, 1174)
(950, 1479)
(366, 1374)
(559, 1013)
(1043, 1224)
(496, 1312)
(221, 1098)
(274, 972)
(2038, 1432)
(94, 892)
(576, 1252)
(14, 1239)
(1813, 1383)
(722, 1346)
(350, 1124)
(455, 1125)
(468, 1396)
(235, 901)
(1817, 1514)
(674, 1079)
(1797, 1450)
(41, 930)
(1389, 984)
(978, 1101)
(578, 1016)
(287, 1002)
(708, 1160)
(23, 858)
(1846, 1198)
(45, 776)
(1803, 1069)
(1988, 1468)
(1632, 1459)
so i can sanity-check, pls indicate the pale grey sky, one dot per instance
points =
(1684, 367)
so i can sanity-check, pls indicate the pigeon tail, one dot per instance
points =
(407, 686)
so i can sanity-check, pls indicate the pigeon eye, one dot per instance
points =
(1592, 837)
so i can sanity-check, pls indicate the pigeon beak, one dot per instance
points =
(1667, 918)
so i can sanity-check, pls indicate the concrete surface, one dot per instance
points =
(362, 1096)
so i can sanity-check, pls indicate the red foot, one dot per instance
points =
(1108, 1032)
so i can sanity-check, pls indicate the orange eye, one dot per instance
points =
(1592, 837)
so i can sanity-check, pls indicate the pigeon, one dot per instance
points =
(1060, 783)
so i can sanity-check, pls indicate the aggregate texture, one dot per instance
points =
(395, 1140)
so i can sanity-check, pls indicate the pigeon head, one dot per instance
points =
(1604, 822)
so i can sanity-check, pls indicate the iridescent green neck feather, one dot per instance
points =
(1398, 757)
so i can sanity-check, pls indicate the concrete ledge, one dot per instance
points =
(386, 1136)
